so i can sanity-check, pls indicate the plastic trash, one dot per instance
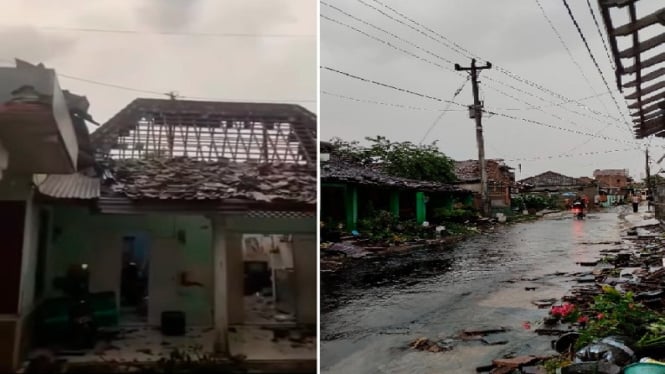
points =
(648, 360)
(613, 349)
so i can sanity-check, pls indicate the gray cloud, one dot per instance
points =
(31, 44)
(170, 15)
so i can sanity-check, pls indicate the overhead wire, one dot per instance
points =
(593, 58)
(411, 92)
(464, 52)
(444, 58)
(570, 54)
(139, 90)
(168, 33)
(367, 101)
(590, 153)
(429, 61)
(438, 118)
(600, 34)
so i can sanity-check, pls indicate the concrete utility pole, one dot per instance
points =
(477, 109)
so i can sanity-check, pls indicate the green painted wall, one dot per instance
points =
(80, 236)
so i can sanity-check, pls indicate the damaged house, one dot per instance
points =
(350, 193)
(500, 181)
(191, 224)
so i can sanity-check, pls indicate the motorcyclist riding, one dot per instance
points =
(578, 207)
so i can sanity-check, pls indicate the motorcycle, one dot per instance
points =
(578, 211)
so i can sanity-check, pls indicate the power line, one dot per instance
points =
(366, 80)
(600, 34)
(573, 155)
(438, 118)
(167, 33)
(350, 98)
(111, 85)
(461, 50)
(593, 58)
(577, 132)
(389, 86)
(126, 88)
(446, 67)
(570, 54)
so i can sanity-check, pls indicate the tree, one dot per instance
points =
(399, 159)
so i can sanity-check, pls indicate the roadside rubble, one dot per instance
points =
(632, 272)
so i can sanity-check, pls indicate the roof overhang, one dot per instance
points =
(646, 98)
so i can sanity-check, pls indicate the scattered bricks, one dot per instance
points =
(514, 363)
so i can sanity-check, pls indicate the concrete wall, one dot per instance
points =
(82, 237)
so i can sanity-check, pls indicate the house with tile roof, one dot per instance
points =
(351, 192)
(500, 181)
(189, 218)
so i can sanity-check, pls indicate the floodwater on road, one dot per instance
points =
(481, 282)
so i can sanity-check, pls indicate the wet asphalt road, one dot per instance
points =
(481, 283)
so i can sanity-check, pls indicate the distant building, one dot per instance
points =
(550, 181)
(613, 181)
(500, 180)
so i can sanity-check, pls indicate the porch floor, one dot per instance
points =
(146, 344)
(254, 343)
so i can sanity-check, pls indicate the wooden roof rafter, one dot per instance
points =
(648, 123)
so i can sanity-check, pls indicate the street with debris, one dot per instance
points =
(459, 309)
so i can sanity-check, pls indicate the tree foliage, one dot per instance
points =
(399, 159)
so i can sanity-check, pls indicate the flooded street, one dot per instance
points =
(487, 281)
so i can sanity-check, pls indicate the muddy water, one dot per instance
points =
(480, 282)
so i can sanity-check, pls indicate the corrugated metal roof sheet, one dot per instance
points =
(68, 186)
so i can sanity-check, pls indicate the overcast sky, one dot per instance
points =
(222, 68)
(512, 34)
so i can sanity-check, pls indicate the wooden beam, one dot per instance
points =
(646, 91)
(647, 100)
(647, 77)
(643, 46)
(647, 110)
(652, 115)
(653, 18)
(657, 59)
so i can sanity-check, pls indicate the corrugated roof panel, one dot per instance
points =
(69, 186)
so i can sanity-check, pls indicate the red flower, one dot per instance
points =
(583, 319)
(562, 310)
(600, 316)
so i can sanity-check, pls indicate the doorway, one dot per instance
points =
(135, 268)
(269, 279)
